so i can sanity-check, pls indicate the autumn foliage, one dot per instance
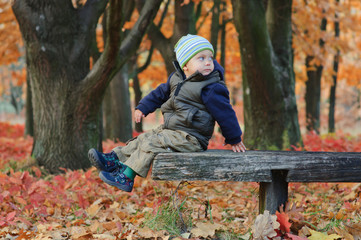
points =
(78, 205)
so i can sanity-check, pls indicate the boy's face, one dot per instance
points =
(201, 62)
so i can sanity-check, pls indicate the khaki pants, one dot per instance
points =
(139, 152)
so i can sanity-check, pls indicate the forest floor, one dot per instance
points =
(78, 205)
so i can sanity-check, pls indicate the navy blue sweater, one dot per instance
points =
(215, 97)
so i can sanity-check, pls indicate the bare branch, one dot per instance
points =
(114, 56)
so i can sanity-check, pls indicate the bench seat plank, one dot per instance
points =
(256, 166)
(273, 169)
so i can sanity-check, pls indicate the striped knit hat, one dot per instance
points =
(190, 45)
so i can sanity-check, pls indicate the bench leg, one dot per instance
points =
(273, 194)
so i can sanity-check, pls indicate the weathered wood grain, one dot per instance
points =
(273, 169)
(256, 166)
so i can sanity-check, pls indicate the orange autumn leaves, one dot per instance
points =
(10, 36)
(79, 205)
(306, 19)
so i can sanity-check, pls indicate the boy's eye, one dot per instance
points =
(201, 58)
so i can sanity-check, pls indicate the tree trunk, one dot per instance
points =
(107, 114)
(121, 114)
(67, 95)
(313, 89)
(336, 60)
(270, 109)
(313, 96)
(137, 98)
(117, 110)
(215, 25)
(29, 118)
(332, 100)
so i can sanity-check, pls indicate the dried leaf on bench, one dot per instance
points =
(265, 226)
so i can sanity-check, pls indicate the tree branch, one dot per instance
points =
(133, 39)
(88, 18)
(114, 54)
(151, 50)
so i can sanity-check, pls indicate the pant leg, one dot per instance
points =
(141, 151)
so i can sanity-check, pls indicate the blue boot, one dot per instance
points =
(117, 179)
(107, 162)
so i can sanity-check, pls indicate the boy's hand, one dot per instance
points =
(239, 147)
(138, 115)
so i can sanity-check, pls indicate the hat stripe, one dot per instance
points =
(194, 48)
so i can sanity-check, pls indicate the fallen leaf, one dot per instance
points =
(283, 219)
(109, 225)
(322, 236)
(11, 216)
(295, 237)
(345, 235)
(79, 233)
(265, 226)
(205, 229)
(146, 232)
(93, 209)
(354, 230)
(185, 235)
(104, 236)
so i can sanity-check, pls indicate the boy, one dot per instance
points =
(193, 98)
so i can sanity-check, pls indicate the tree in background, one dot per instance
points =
(117, 113)
(67, 94)
(304, 17)
(336, 61)
(313, 84)
(330, 56)
(11, 56)
(265, 38)
(185, 18)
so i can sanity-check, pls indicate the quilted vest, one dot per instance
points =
(184, 110)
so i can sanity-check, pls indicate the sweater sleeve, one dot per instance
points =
(216, 99)
(155, 98)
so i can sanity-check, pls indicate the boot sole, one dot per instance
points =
(94, 159)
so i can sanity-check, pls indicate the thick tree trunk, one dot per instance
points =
(271, 117)
(67, 95)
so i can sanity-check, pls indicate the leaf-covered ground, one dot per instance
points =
(78, 205)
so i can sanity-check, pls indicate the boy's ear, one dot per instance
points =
(185, 68)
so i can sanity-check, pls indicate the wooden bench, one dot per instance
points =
(272, 169)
